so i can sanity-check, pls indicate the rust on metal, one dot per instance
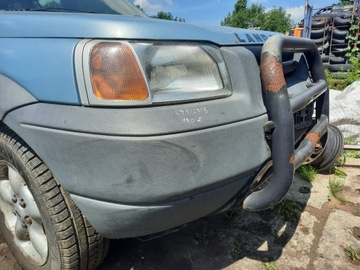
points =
(292, 159)
(314, 138)
(272, 73)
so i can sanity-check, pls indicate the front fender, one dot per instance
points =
(12, 96)
(42, 66)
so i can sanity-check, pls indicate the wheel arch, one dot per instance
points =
(12, 96)
(73, 242)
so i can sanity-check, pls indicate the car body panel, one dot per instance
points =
(70, 25)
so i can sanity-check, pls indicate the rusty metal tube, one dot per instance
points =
(280, 112)
(300, 101)
(307, 146)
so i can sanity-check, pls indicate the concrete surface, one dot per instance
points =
(310, 234)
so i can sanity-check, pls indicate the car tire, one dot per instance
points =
(39, 221)
(340, 33)
(339, 41)
(324, 49)
(318, 23)
(320, 41)
(333, 149)
(318, 33)
(337, 60)
(338, 51)
(324, 58)
(338, 21)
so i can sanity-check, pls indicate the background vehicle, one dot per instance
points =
(115, 125)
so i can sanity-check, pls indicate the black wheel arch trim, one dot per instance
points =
(12, 96)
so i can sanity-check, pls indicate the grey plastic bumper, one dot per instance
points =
(125, 184)
(114, 220)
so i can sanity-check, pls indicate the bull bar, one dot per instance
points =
(281, 108)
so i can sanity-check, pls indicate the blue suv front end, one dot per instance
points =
(151, 124)
(138, 166)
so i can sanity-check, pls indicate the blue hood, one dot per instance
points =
(75, 25)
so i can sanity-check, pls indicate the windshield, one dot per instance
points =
(122, 7)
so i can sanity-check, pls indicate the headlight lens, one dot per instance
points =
(125, 73)
(113, 81)
(181, 72)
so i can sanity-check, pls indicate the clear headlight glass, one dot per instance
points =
(183, 72)
(143, 73)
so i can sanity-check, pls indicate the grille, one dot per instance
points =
(303, 118)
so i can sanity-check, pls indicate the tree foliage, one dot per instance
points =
(164, 15)
(167, 16)
(344, 2)
(277, 20)
(256, 17)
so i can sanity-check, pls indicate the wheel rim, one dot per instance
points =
(21, 215)
(332, 151)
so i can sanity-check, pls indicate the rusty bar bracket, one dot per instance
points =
(300, 101)
(307, 146)
(280, 111)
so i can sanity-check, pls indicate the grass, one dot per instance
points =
(288, 209)
(336, 187)
(237, 252)
(230, 215)
(352, 154)
(341, 82)
(348, 153)
(307, 172)
(188, 257)
(351, 253)
(204, 236)
(269, 266)
(357, 211)
(338, 172)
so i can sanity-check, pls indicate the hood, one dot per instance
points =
(74, 25)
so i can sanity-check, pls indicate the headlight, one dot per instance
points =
(113, 81)
(134, 73)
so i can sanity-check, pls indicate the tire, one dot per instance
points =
(324, 58)
(324, 49)
(339, 52)
(40, 223)
(339, 67)
(318, 23)
(333, 149)
(337, 60)
(341, 21)
(339, 33)
(320, 41)
(339, 41)
(319, 33)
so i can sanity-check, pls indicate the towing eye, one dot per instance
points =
(281, 108)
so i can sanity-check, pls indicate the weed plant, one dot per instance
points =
(307, 172)
(336, 187)
(351, 253)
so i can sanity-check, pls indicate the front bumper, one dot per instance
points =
(132, 185)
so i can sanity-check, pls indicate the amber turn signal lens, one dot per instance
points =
(115, 73)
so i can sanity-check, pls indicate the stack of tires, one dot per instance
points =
(329, 29)
(338, 43)
(320, 34)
